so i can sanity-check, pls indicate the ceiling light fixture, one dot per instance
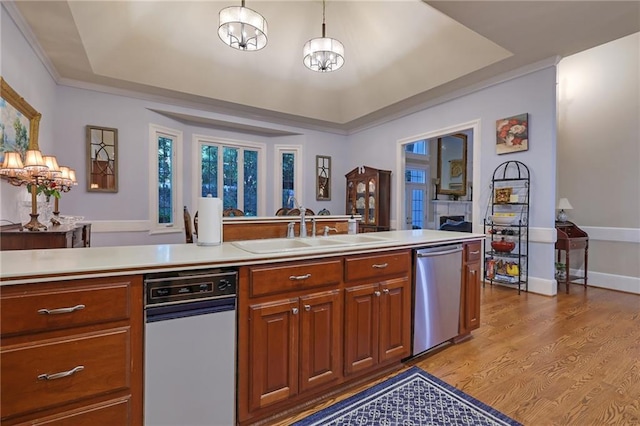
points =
(242, 28)
(323, 54)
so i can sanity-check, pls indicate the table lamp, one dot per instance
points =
(563, 204)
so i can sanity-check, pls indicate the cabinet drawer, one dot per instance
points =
(472, 251)
(294, 276)
(25, 311)
(374, 266)
(112, 412)
(102, 360)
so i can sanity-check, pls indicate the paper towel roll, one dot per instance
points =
(209, 221)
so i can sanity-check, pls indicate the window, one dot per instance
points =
(232, 171)
(418, 147)
(288, 176)
(165, 198)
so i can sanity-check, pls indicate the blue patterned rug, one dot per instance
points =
(412, 398)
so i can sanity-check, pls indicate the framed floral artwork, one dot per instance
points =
(512, 134)
(19, 122)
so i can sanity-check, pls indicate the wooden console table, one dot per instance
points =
(571, 237)
(13, 237)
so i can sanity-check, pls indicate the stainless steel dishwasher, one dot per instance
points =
(190, 341)
(438, 278)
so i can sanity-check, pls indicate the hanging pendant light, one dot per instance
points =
(242, 28)
(323, 54)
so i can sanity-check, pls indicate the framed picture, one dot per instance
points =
(323, 178)
(512, 134)
(102, 159)
(503, 195)
(20, 122)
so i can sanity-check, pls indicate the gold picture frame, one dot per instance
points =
(503, 195)
(18, 114)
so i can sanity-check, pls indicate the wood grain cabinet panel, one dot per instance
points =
(273, 355)
(320, 339)
(470, 291)
(69, 365)
(57, 308)
(273, 279)
(361, 328)
(395, 319)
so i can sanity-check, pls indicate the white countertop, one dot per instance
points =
(23, 266)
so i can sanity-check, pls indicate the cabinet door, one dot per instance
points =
(395, 319)
(320, 338)
(470, 291)
(273, 352)
(361, 327)
(472, 310)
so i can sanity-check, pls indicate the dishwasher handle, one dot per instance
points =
(439, 251)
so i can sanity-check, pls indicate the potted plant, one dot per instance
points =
(561, 271)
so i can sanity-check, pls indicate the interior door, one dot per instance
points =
(415, 206)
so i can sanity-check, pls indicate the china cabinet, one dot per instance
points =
(369, 195)
(507, 226)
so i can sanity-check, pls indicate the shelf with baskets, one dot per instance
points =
(506, 224)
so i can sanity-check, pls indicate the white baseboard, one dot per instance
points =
(611, 281)
(543, 286)
(120, 226)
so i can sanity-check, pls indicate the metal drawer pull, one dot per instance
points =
(381, 265)
(299, 277)
(475, 252)
(60, 310)
(62, 374)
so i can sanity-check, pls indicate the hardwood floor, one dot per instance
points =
(573, 359)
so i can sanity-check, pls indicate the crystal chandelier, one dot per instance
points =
(323, 54)
(242, 28)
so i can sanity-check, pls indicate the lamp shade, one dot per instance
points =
(52, 163)
(34, 162)
(12, 164)
(323, 54)
(564, 204)
(242, 28)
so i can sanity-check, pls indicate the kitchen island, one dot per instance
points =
(363, 315)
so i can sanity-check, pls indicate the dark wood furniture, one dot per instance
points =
(56, 236)
(71, 352)
(571, 237)
(369, 195)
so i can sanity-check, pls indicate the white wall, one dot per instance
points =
(599, 157)
(534, 93)
(26, 74)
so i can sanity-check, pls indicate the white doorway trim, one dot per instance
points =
(474, 125)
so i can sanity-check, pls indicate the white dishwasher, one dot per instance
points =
(190, 340)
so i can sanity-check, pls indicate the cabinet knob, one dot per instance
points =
(307, 307)
(377, 293)
(385, 291)
(294, 311)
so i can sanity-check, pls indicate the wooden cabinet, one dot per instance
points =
(305, 328)
(369, 195)
(71, 352)
(571, 238)
(60, 236)
(470, 292)
(377, 310)
(290, 343)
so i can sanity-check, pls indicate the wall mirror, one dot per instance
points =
(452, 165)
(102, 159)
(323, 178)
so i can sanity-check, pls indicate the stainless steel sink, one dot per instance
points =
(358, 239)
